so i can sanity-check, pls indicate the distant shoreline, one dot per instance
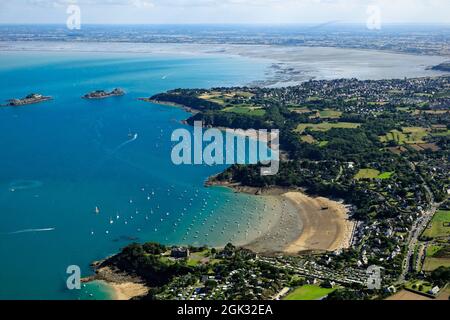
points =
(287, 65)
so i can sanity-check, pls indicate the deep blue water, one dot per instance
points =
(61, 159)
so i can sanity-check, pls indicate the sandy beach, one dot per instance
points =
(305, 224)
(128, 290)
(123, 286)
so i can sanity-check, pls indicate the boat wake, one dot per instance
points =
(134, 138)
(31, 231)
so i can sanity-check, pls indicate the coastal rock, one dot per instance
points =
(101, 94)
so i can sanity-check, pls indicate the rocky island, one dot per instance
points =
(29, 99)
(101, 94)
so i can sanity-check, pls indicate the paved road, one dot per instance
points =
(417, 228)
(414, 235)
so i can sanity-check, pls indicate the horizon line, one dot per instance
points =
(227, 23)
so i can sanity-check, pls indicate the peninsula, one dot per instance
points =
(101, 94)
(445, 66)
(366, 168)
(29, 99)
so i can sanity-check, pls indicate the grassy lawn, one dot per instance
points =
(325, 126)
(394, 135)
(408, 135)
(329, 113)
(415, 134)
(247, 110)
(432, 249)
(298, 109)
(437, 255)
(373, 174)
(385, 175)
(308, 292)
(195, 258)
(439, 226)
(224, 98)
(367, 174)
(308, 139)
(418, 285)
(434, 263)
(441, 134)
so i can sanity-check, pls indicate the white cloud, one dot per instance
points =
(226, 11)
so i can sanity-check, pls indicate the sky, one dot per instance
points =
(225, 11)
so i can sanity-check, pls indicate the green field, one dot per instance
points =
(439, 226)
(432, 249)
(437, 255)
(308, 292)
(299, 109)
(325, 126)
(247, 110)
(419, 286)
(441, 134)
(329, 113)
(408, 135)
(385, 175)
(431, 264)
(225, 98)
(367, 174)
(308, 139)
(195, 258)
(372, 174)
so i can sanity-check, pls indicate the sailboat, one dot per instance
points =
(97, 210)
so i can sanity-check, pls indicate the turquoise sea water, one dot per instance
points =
(63, 158)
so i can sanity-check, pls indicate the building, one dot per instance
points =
(179, 252)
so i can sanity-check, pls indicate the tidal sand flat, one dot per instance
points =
(304, 224)
(289, 65)
(325, 224)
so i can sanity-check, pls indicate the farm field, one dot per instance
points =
(329, 113)
(436, 256)
(439, 226)
(308, 139)
(325, 126)
(408, 135)
(431, 264)
(224, 98)
(441, 134)
(407, 295)
(308, 292)
(247, 110)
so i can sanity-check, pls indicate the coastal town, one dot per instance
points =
(380, 147)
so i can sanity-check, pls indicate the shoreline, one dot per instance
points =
(287, 65)
(123, 286)
(171, 104)
(305, 223)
